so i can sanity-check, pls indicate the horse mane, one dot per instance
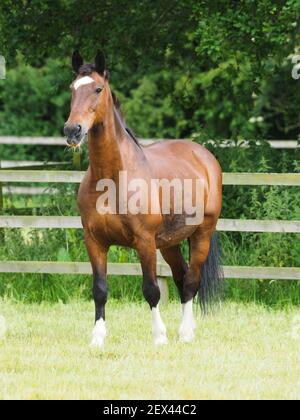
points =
(117, 105)
(87, 70)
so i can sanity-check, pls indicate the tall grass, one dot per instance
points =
(241, 352)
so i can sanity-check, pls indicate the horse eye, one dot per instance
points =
(98, 90)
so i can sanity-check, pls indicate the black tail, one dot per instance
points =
(211, 286)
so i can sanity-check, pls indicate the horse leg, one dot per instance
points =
(199, 251)
(180, 269)
(147, 254)
(174, 258)
(98, 258)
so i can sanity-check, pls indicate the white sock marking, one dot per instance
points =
(158, 328)
(188, 324)
(99, 334)
(83, 81)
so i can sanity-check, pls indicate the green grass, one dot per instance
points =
(244, 351)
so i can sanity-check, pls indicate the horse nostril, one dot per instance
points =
(72, 131)
(79, 128)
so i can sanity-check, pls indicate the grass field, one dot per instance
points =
(241, 352)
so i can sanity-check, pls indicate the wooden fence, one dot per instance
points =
(60, 141)
(60, 222)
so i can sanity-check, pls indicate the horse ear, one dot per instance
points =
(100, 62)
(77, 61)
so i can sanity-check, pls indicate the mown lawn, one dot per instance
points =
(242, 352)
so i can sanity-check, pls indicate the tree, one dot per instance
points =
(158, 31)
(207, 59)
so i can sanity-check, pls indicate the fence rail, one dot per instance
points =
(75, 177)
(28, 190)
(29, 164)
(61, 141)
(134, 269)
(224, 225)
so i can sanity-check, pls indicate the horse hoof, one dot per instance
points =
(187, 338)
(161, 340)
(97, 343)
(99, 334)
(186, 334)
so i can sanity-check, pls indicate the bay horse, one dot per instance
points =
(95, 114)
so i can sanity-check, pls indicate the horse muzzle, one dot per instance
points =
(74, 134)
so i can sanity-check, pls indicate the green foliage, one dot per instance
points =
(33, 100)
(151, 32)
(152, 110)
(185, 66)
(277, 103)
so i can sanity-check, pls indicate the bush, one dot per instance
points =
(34, 102)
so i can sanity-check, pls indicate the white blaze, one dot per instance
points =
(83, 81)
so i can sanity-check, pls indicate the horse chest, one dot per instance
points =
(109, 229)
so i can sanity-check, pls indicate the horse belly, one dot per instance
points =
(173, 231)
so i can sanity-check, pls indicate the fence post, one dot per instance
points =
(162, 283)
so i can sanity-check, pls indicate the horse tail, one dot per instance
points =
(212, 277)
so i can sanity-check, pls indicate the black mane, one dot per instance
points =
(132, 135)
(87, 70)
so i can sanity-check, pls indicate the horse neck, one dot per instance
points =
(105, 147)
